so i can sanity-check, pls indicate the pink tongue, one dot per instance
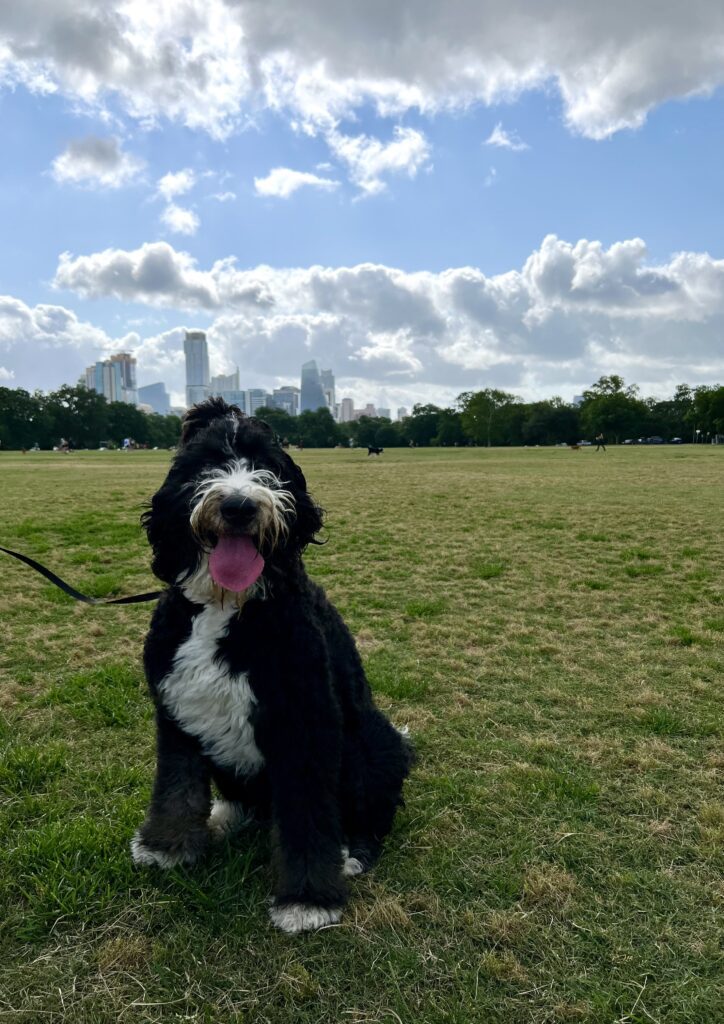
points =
(235, 563)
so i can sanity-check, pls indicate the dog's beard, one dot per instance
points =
(269, 528)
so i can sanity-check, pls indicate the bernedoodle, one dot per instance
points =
(258, 686)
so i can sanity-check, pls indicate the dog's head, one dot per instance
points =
(233, 506)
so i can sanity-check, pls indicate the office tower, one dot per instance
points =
(222, 383)
(155, 396)
(401, 412)
(258, 397)
(286, 398)
(114, 378)
(126, 372)
(312, 392)
(197, 367)
(237, 396)
(384, 413)
(326, 379)
(346, 410)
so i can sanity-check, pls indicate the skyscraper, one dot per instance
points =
(346, 410)
(384, 413)
(114, 378)
(258, 397)
(286, 398)
(197, 367)
(312, 391)
(155, 396)
(401, 413)
(326, 379)
(222, 383)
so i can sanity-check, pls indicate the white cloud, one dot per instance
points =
(490, 178)
(94, 161)
(211, 64)
(158, 275)
(572, 312)
(180, 220)
(282, 182)
(176, 183)
(506, 140)
(369, 159)
(44, 346)
(223, 197)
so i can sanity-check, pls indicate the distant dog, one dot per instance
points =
(371, 450)
(257, 682)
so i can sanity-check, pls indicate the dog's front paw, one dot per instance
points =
(301, 917)
(227, 818)
(146, 852)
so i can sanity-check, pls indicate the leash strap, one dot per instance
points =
(62, 585)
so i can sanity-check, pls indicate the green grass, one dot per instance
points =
(549, 626)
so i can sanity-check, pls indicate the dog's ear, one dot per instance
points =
(309, 515)
(201, 415)
(165, 523)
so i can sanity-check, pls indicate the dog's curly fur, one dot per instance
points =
(261, 693)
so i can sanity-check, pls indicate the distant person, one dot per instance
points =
(600, 442)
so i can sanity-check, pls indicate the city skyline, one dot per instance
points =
(115, 379)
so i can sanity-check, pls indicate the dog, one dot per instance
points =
(371, 450)
(256, 680)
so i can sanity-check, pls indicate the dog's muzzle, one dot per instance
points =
(239, 513)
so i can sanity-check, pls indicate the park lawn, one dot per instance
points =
(549, 625)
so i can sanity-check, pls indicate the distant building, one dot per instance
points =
(237, 396)
(326, 378)
(384, 413)
(369, 410)
(578, 399)
(257, 397)
(155, 396)
(312, 392)
(287, 399)
(401, 412)
(346, 410)
(114, 378)
(222, 383)
(198, 385)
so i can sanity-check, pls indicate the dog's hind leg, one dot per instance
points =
(175, 830)
(376, 763)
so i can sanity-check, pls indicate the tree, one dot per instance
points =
(551, 421)
(479, 410)
(317, 429)
(449, 429)
(18, 418)
(283, 425)
(79, 415)
(421, 426)
(612, 409)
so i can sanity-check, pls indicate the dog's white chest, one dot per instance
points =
(207, 700)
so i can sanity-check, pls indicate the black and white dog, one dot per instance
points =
(257, 682)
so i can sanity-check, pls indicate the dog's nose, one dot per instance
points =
(238, 510)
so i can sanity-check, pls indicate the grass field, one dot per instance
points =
(549, 624)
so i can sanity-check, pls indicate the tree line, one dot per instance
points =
(81, 417)
(489, 417)
(496, 418)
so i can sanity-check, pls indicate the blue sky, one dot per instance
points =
(401, 175)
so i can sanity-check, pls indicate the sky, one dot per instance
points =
(426, 198)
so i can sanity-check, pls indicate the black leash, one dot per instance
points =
(135, 599)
